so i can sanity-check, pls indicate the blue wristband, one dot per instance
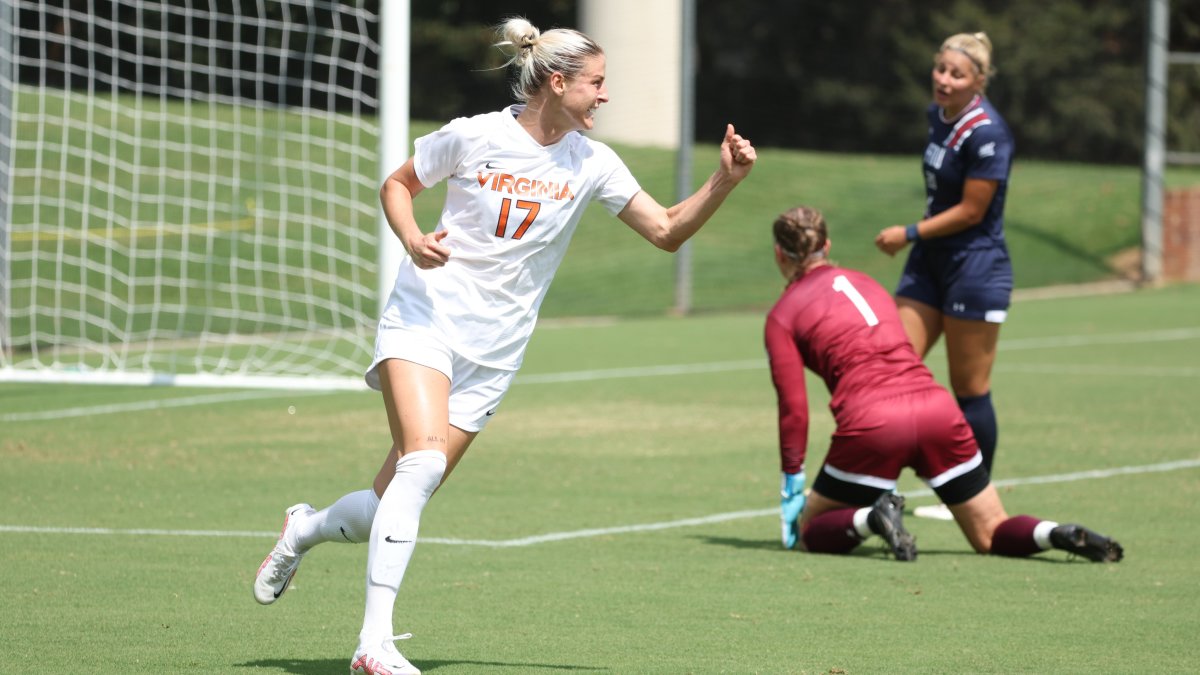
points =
(911, 233)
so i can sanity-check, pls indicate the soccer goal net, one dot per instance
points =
(188, 192)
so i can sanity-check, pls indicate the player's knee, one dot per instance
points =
(978, 524)
(981, 542)
(970, 384)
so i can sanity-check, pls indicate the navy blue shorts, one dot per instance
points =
(973, 284)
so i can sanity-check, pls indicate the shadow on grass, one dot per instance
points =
(325, 666)
(1060, 245)
(871, 549)
(737, 542)
(863, 552)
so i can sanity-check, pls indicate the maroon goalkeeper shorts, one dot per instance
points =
(924, 430)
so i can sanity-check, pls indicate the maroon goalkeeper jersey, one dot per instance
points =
(842, 325)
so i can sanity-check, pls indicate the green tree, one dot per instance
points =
(854, 75)
(455, 70)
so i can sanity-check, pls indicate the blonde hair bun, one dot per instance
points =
(536, 55)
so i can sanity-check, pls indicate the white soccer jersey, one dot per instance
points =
(511, 208)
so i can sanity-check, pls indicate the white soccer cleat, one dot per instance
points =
(383, 660)
(276, 572)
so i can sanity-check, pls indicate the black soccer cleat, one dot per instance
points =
(886, 519)
(1081, 541)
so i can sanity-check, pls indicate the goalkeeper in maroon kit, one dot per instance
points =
(890, 414)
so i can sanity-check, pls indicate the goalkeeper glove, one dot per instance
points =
(790, 507)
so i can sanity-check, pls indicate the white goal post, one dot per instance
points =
(189, 190)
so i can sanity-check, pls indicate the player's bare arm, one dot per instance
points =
(977, 196)
(397, 196)
(669, 228)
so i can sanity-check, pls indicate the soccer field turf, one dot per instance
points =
(618, 515)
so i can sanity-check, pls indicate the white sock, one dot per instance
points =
(348, 520)
(1041, 534)
(860, 522)
(393, 537)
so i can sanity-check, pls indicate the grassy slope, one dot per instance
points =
(1065, 224)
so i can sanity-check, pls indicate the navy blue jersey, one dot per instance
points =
(976, 144)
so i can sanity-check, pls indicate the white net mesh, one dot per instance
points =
(188, 194)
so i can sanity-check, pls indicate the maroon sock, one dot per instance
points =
(832, 532)
(1014, 537)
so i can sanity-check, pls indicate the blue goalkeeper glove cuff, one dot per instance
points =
(791, 505)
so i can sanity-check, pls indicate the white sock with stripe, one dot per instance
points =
(348, 520)
(393, 537)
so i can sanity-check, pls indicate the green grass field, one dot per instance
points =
(628, 491)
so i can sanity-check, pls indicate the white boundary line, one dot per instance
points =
(1077, 369)
(566, 377)
(1136, 337)
(140, 406)
(688, 369)
(626, 529)
(645, 371)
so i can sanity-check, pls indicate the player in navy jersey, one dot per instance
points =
(466, 297)
(958, 279)
(890, 414)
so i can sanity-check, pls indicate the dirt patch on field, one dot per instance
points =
(1128, 263)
